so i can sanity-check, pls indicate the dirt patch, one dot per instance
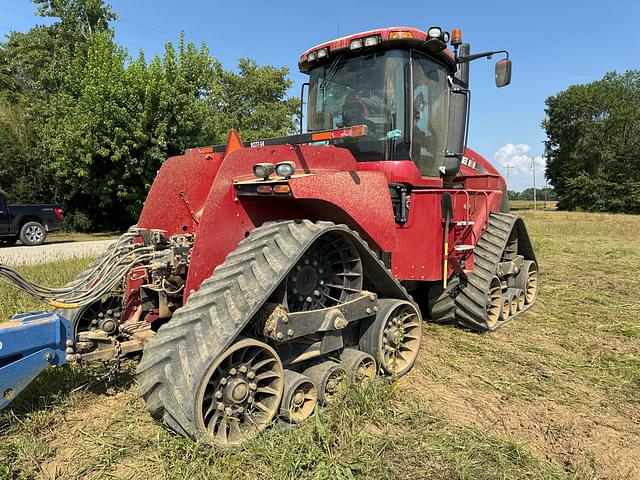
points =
(583, 435)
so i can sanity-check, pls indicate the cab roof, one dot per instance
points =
(391, 37)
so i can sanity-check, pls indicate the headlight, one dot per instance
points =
(355, 44)
(311, 57)
(323, 52)
(371, 41)
(263, 170)
(285, 169)
(434, 32)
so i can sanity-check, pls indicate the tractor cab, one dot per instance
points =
(394, 81)
(404, 85)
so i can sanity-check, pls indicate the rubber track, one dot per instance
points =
(465, 304)
(174, 363)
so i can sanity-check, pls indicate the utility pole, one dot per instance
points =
(533, 165)
(508, 168)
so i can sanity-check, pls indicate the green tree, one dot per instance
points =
(253, 101)
(593, 146)
(90, 126)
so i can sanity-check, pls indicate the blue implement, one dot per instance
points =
(29, 343)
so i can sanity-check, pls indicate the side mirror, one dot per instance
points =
(503, 73)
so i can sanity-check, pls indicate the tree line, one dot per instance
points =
(593, 144)
(527, 194)
(84, 123)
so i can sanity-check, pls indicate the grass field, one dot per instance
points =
(552, 396)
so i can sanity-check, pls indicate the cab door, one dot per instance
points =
(4, 217)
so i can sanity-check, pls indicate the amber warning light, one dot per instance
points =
(456, 37)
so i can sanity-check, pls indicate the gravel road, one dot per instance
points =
(49, 252)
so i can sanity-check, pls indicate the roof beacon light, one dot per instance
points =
(400, 35)
(456, 37)
(263, 170)
(356, 44)
(285, 169)
(322, 53)
(434, 32)
(372, 41)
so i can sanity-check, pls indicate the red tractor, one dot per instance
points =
(262, 275)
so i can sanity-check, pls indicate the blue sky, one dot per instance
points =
(553, 44)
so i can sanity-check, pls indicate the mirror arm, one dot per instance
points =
(475, 56)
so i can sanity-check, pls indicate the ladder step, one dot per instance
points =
(464, 223)
(463, 248)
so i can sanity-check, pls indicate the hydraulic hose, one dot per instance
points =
(120, 258)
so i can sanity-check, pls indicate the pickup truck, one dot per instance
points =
(28, 223)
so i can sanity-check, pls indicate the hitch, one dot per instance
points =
(29, 343)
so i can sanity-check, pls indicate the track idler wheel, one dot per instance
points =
(494, 303)
(240, 393)
(360, 366)
(330, 379)
(394, 336)
(299, 399)
(527, 281)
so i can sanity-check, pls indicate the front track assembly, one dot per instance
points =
(503, 285)
(283, 323)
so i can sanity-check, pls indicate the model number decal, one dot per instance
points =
(469, 163)
(257, 143)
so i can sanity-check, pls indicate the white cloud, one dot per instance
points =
(515, 162)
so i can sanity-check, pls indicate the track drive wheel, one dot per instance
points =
(360, 366)
(394, 336)
(299, 399)
(329, 378)
(240, 393)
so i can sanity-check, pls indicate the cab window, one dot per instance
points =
(430, 114)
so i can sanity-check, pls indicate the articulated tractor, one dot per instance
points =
(263, 276)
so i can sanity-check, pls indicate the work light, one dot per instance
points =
(285, 169)
(263, 170)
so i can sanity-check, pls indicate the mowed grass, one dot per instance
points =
(552, 395)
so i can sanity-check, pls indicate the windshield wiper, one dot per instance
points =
(331, 73)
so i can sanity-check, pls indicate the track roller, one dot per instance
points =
(506, 307)
(512, 302)
(360, 366)
(329, 378)
(299, 399)
(240, 392)
(394, 336)
(521, 300)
